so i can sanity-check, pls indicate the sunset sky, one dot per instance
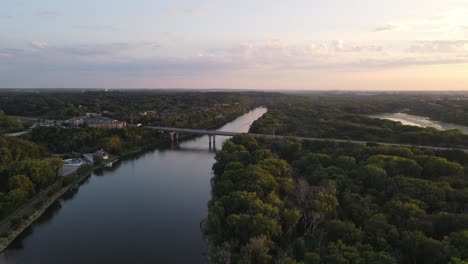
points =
(254, 44)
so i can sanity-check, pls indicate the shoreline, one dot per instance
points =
(28, 219)
(38, 212)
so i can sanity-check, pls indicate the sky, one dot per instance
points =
(243, 44)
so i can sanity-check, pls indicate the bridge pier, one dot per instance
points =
(174, 137)
(214, 139)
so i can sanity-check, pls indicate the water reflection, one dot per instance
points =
(420, 121)
(145, 209)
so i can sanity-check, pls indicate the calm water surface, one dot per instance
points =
(420, 121)
(145, 210)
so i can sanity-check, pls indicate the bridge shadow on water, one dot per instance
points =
(212, 148)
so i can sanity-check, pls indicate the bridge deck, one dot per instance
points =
(231, 134)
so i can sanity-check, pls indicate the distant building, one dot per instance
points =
(96, 122)
(103, 122)
(148, 113)
(90, 157)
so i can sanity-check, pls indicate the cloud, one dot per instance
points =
(387, 27)
(455, 46)
(282, 56)
(49, 13)
(39, 44)
(270, 57)
(6, 52)
(105, 49)
(93, 50)
(440, 24)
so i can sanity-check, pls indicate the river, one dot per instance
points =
(420, 121)
(144, 210)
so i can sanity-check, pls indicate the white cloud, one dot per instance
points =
(386, 27)
(39, 44)
(280, 55)
(455, 46)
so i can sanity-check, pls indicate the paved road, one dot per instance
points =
(231, 134)
(17, 134)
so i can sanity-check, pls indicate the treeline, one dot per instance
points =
(326, 202)
(201, 119)
(446, 107)
(10, 125)
(327, 117)
(25, 169)
(122, 105)
(82, 140)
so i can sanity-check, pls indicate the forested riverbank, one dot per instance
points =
(326, 202)
(28, 172)
(346, 118)
(138, 188)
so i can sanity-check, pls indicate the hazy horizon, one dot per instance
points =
(271, 45)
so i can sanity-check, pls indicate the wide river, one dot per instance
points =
(145, 210)
(420, 121)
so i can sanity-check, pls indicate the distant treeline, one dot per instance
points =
(122, 105)
(345, 118)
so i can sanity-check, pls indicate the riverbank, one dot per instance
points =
(420, 121)
(24, 217)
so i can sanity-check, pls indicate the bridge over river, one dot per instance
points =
(174, 132)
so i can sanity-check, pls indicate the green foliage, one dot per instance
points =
(112, 144)
(345, 203)
(23, 172)
(9, 125)
(22, 182)
(343, 117)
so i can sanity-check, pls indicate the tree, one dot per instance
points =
(40, 172)
(112, 144)
(417, 248)
(55, 164)
(316, 211)
(257, 251)
(23, 183)
(459, 243)
(340, 230)
(17, 196)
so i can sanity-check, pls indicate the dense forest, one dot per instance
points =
(9, 125)
(345, 118)
(122, 105)
(450, 107)
(81, 140)
(325, 202)
(25, 169)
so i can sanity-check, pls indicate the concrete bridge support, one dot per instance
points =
(174, 137)
(214, 139)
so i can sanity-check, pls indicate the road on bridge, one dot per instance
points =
(231, 134)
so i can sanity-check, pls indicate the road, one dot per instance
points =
(231, 134)
(17, 134)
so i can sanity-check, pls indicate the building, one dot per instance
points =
(96, 122)
(104, 122)
(148, 113)
(90, 157)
